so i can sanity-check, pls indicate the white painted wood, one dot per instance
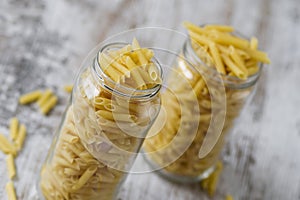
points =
(42, 43)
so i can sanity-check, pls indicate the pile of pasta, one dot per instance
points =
(11, 148)
(102, 131)
(46, 100)
(189, 106)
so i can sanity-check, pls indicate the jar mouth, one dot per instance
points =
(228, 80)
(120, 89)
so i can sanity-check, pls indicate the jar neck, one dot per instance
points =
(117, 88)
(204, 65)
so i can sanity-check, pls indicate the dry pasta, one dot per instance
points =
(238, 60)
(14, 123)
(47, 106)
(10, 190)
(98, 131)
(11, 166)
(68, 88)
(6, 146)
(45, 97)
(210, 184)
(21, 136)
(30, 97)
(229, 197)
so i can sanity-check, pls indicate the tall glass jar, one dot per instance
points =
(198, 110)
(100, 134)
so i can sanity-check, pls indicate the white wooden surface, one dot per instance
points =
(42, 43)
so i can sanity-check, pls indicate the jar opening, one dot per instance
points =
(201, 65)
(118, 88)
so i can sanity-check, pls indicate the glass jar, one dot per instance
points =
(198, 110)
(100, 134)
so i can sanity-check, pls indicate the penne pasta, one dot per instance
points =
(21, 136)
(234, 68)
(222, 28)
(258, 55)
(10, 190)
(30, 97)
(238, 60)
(200, 92)
(85, 177)
(136, 46)
(225, 39)
(7, 147)
(97, 138)
(45, 97)
(14, 123)
(253, 43)
(68, 88)
(10, 163)
(216, 56)
(47, 107)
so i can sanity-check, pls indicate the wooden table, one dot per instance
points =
(42, 44)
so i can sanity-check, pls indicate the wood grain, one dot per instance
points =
(42, 44)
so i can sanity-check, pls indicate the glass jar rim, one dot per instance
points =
(121, 89)
(228, 80)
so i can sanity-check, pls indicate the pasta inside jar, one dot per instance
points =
(114, 103)
(210, 83)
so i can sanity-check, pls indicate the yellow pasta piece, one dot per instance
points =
(253, 70)
(110, 71)
(11, 166)
(225, 39)
(210, 183)
(30, 97)
(70, 138)
(6, 147)
(85, 177)
(216, 56)
(112, 62)
(229, 197)
(21, 136)
(68, 88)
(116, 116)
(148, 53)
(14, 123)
(222, 28)
(153, 73)
(234, 68)
(258, 55)
(200, 38)
(253, 43)
(45, 109)
(238, 60)
(194, 28)
(45, 97)
(134, 73)
(120, 52)
(10, 190)
(142, 59)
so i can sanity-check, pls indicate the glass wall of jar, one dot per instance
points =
(101, 132)
(198, 110)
